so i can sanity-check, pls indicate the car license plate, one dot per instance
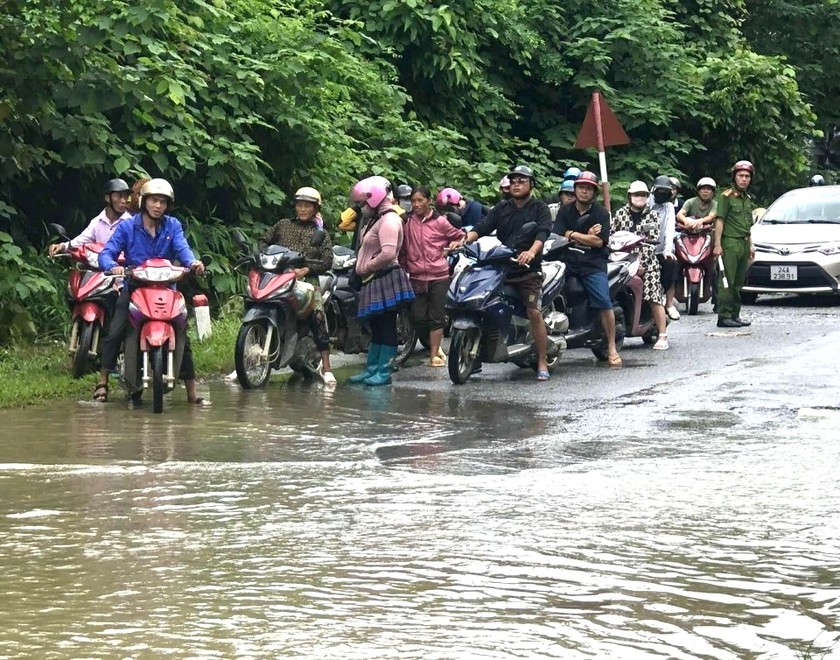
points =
(783, 273)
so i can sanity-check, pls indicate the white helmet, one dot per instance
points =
(308, 194)
(638, 187)
(157, 187)
(706, 181)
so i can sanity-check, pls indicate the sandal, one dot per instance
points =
(100, 392)
(198, 401)
(437, 361)
(614, 361)
(543, 375)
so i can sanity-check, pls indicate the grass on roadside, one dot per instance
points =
(39, 374)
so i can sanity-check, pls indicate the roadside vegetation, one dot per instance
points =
(240, 102)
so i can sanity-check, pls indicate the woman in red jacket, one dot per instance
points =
(426, 234)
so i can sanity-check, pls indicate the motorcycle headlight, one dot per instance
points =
(153, 274)
(92, 259)
(269, 261)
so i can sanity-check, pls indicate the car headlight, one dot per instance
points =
(832, 248)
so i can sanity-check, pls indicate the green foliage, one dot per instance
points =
(240, 102)
(24, 288)
(805, 32)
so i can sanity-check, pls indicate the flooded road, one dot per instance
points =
(658, 517)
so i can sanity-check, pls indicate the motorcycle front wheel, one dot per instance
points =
(252, 368)
(81, 358)
(461, 350)
(693, 299)
(406, 336)
(157, 365)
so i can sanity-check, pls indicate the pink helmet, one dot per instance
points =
(373, 191)
(447, 197)
(504, 184)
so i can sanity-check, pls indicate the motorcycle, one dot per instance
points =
(489, 321)
(341, 306)
(583, 324)
(274, 332)
(635, 308)
(154, 343)
(695, 257)
(90, 296)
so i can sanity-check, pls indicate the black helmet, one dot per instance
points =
(403, 190)
(817, 180)
(523, 170)
(116, 186)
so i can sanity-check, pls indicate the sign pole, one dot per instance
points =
(602, 155)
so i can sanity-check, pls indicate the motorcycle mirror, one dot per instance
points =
(58, 230)
(240, 240)
(454, 219)
(318, 238)
(206, 260)
(526, 233)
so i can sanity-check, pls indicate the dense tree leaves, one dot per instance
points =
(239, 102)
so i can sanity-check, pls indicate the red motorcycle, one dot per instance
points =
(90, 295)
(638, 317)
(693, 248)
(274, 333)
(154, 344)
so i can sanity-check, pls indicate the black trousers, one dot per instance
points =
(383, 328)
(116, 334)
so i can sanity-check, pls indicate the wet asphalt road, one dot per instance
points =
(684, 506)
(701, 355)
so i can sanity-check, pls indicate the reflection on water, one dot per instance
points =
(383, 522)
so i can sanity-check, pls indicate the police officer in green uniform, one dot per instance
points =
(733, 223)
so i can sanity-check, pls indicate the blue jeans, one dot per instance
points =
(597, 288)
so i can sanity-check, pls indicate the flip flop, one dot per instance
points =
(614, 361)
(543, 375)
(100, 392)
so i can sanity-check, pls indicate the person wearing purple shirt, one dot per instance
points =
(103, 226)
(148, 235)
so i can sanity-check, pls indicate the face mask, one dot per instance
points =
(661, 196)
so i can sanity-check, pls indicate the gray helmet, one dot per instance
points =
(403, 190)
(817, 180)
(662, 182)
(116, 186)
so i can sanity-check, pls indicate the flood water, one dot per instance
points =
(427, 523)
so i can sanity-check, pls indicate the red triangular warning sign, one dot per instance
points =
(611, 131)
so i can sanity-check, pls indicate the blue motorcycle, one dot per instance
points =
(489, 321)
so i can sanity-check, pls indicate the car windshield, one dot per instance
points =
(805, 206)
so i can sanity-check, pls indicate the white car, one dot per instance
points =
(797, 244)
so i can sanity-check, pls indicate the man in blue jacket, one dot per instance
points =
(151, 234)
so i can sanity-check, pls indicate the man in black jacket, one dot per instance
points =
(507, 218)
(587, 223)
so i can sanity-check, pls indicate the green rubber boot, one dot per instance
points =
(372, 364)
(383, 370)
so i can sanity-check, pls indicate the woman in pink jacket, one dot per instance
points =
(385, 286)
(427, 233)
